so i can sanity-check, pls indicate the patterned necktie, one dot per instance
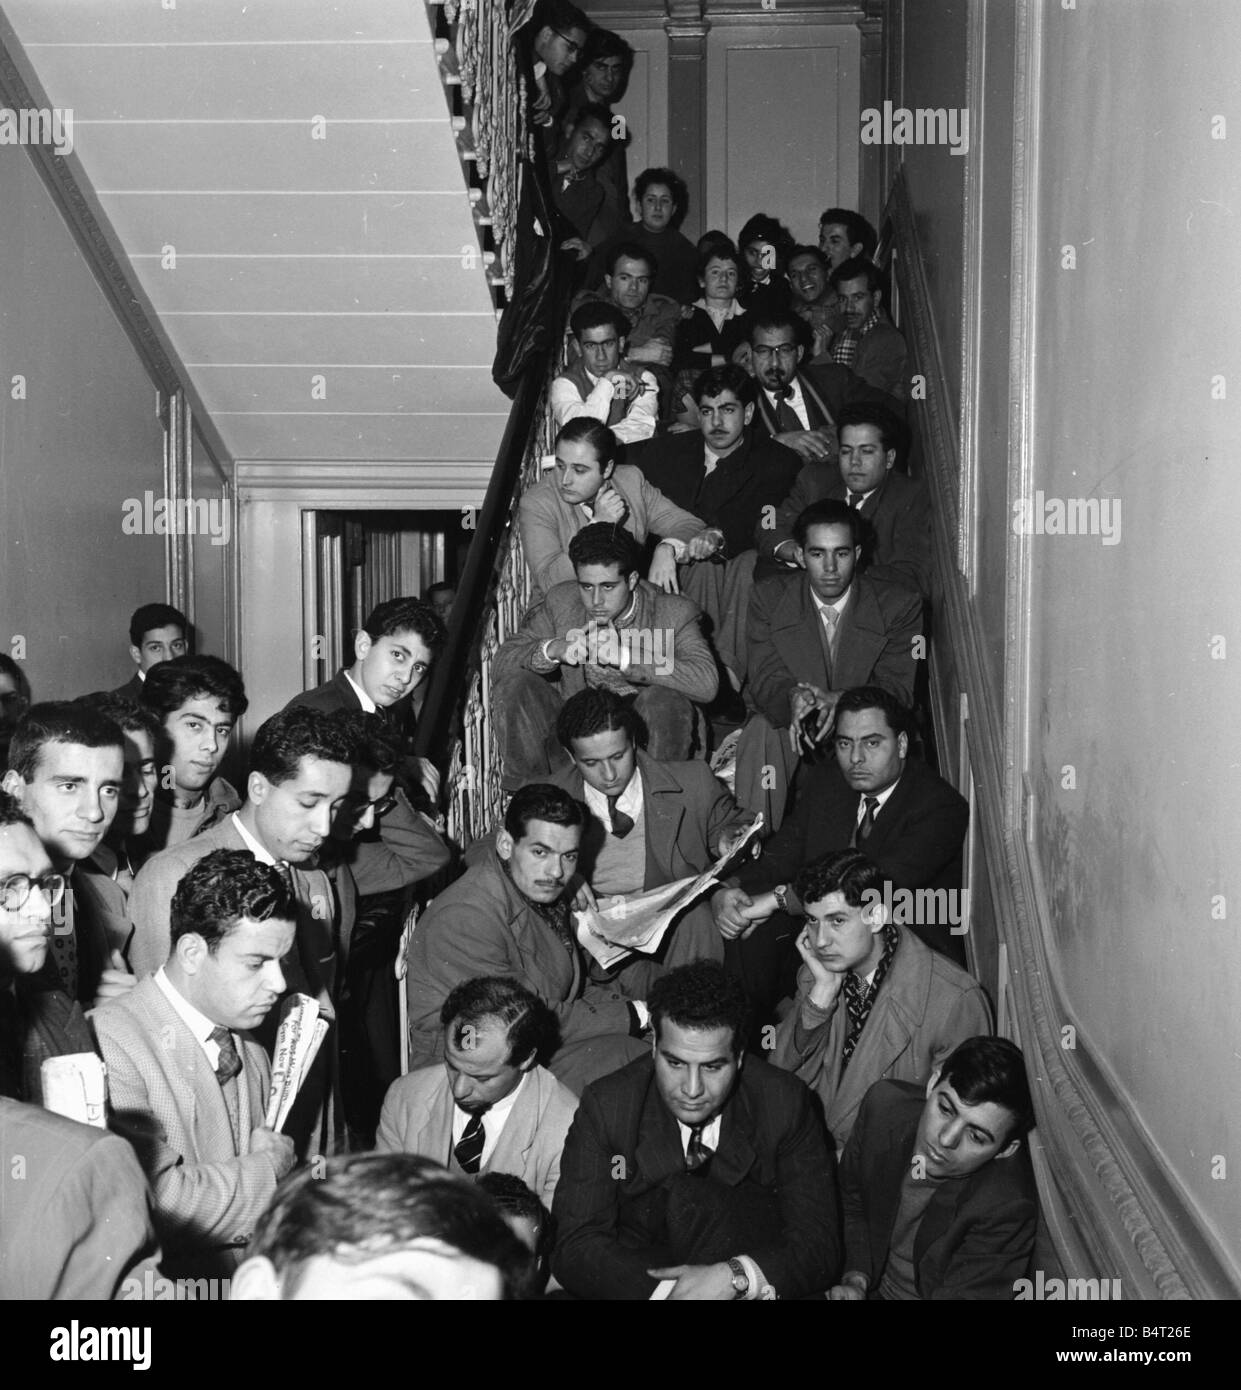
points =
(229, 1064)
(65, 943)
(697, 1154)
(867, 823)
(621, 823)
(469, 1148)
(860, 997)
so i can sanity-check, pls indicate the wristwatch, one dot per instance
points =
(741, 1280)
(781, 894)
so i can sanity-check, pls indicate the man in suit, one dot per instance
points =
(489, 1107)
(600, 385)
(66, 766)
(198, 701)
(938, 1193)
(75, 1213)
(895, 507)
(588, 486)
(689, 1175)
(872, 1001)
(509, 914)
(811, 636)
(382, 1228)
(188, 1085)
(393, 655)
(797, 406)
(734, 477)
(844, 234)
(869, 346)
(157, 632)
(608, 628)
(650, 823)
(38, 1018)
(872, 795)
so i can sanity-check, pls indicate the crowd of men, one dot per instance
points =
(794, 1092)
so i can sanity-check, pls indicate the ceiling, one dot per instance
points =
(319, 279)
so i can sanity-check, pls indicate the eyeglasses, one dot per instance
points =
(783, 349)
(16, 889)
(571, 44)
(384, 804)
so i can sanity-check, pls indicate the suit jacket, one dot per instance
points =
(481, 925)
(924, 1008)
(785, 636)
(882, 360)
(165, 1099)
(338, 694)
(916, 838)
(624, 1148)
(417, 1119)
(685, 663)
(898, 513)
(826, 389)
(976, 1234)
(686, 809)
(78, 1223)
(756, 476)
(548, 523)
(44, 1022)
(132, 688)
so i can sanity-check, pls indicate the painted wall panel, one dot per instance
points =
(83, 440)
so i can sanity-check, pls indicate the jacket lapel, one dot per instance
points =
(187, 1071)
(861, 638)
(795, 639)
(435, 1135)
(736, 1154)
(663, 811)
(731, 474)
(512, 1150)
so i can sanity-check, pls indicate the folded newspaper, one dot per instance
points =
(302, 1031)
(640, 922)
(75, 1085)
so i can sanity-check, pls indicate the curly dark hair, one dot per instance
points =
(170, 684)
(700, 996)
(300, 732)
(222, 888)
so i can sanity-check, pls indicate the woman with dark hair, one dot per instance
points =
(765, 244)
(716, 326)
(661, 199)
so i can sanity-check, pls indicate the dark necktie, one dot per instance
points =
(621, 823)
(855, 500)
(697, 1154)
(469, 1148)
(867, 823)
(786, 416)
(229, 1064)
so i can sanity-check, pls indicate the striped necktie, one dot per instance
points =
(468, 1150)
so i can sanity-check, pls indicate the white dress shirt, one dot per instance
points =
(363, 698)
(629, 801)
(636, 424)
(494, 1119)
(795, 400)
(198, 1023)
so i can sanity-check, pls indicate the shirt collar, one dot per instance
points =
(629, 801)
(259, 851)
(838, 607)
(364, 699)
(495, 1116)
(198, 1023)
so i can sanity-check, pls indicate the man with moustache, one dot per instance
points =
(798, 406)
(38, 1019)
(871, 795)
(509, 914)
(66, 766)
(188, 1085)
(869, 345)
